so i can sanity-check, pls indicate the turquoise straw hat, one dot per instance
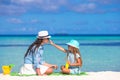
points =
(73, 43)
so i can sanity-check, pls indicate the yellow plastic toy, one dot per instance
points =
(67, 65)
(7, 68)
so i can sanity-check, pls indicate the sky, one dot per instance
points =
(60, 16)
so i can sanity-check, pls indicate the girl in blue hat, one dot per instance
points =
(74, 60)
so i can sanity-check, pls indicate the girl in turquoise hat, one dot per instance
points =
(74, 60)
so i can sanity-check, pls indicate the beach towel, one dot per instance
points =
(53, 74)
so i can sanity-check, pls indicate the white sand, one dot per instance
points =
(107, 75)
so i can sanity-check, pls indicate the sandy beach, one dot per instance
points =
(105, 75)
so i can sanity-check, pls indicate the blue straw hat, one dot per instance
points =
(73, 43)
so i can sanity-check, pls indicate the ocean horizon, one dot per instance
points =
(65, 34)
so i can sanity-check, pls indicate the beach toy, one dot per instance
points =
(67, 65)
(7, 68)
(11, 65)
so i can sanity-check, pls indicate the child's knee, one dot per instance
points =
(62, 67)
(49, 71)
(65, 71)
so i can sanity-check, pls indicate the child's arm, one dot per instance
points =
(57, 46)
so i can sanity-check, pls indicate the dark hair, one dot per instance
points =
(35, 44)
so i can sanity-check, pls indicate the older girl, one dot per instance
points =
(33, 59)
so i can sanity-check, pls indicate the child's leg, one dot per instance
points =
(49, 71)
(62, 67)
(64, 70)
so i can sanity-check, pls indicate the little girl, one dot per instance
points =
(74, 59)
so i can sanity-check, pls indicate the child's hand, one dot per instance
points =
(55, 66)
(51, 42)
(68, 62)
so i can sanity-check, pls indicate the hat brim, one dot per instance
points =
(47, 37)
(43, 37)
(72, 45)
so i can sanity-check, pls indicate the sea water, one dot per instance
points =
(99, 53)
